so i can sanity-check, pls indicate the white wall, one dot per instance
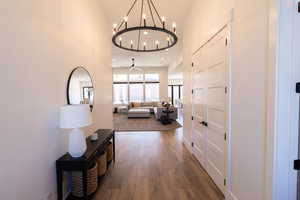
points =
(41, 42)
(163, 77)
(249, 64)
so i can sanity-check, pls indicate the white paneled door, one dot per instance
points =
(210, 105)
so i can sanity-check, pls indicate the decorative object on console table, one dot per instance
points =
(75, 117)
(94, 150)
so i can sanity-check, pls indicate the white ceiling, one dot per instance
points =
(173, 10)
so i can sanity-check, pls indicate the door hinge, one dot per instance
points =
(226, 41)
(192, 117)
(226, 90)
(225, 136)
(192, 64)
(298, 87)
(192, 144)
(299, 7)
(225, 181)
(192, 91)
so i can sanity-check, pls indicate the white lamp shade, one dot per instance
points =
(75, 116)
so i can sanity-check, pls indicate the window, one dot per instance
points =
(151, 77)
(135, 88)
(152, 91)
(120, 93)
(120, 78)
(181, 92)
(175, 92)
(170, 91)
(136, 77)
(120, 89)
(136, 92)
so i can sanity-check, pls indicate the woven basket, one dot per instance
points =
(109, 152)
(102, 164)
(92, 181)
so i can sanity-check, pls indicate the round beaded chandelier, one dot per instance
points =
(147, 35)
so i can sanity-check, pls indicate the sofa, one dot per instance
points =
(144, 105)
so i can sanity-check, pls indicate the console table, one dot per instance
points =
(94, 150)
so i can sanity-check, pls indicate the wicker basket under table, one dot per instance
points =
(102, 164)
(92, 181)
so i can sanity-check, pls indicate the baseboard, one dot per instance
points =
(188, 145)
(231, 196)
(53, 196)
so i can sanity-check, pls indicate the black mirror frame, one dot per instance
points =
(68, 85)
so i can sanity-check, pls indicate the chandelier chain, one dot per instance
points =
(150, 9)
(139, 36)
(127, 14)
(157, 12)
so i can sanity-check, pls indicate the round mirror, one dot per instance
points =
(80, 88)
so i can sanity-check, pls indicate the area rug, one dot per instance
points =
(122, 123)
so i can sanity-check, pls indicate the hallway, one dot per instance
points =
(155, 165)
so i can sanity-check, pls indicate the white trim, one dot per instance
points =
(228, 191)
(271, 101)
(282, 116)
(231, 196)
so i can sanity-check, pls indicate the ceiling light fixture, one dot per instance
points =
(154, 25)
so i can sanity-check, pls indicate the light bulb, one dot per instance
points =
(144, 16)
(115, 25)
(131, 42)
(114, 32)
(157, 42)
(120, 38)
(174, 25)
(168, 38)
(163, 18)
(126, 19)
(145, 43)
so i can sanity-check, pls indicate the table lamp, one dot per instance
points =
(75, 117)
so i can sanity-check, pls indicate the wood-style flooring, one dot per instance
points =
(155, 166)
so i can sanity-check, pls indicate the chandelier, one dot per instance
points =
(150, 35)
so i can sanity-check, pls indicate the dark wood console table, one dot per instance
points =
(94, 150)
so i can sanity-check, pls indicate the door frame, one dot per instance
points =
(282, 103)
(228, 26)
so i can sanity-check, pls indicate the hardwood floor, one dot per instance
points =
(155, 166)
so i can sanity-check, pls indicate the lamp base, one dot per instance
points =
(77, 143)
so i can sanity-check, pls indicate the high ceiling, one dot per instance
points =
(173, 10)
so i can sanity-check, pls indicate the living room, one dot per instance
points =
(144, 99)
